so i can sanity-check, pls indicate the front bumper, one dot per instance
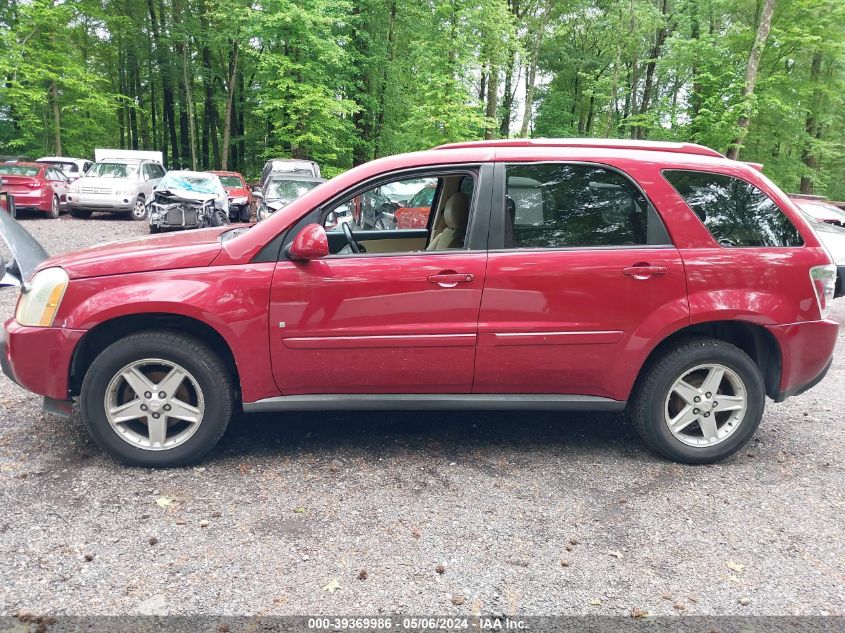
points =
(100, 201)
(38, 358)
(806, 353)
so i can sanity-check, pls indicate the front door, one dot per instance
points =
(581, 277)
(396, 318)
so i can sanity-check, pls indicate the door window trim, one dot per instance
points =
(496, 238)
(477, 231)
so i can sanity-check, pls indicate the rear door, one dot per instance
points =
(581, 277)
(394, 319)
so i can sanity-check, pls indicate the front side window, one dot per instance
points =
(734, 211)
(401, 204)
(558, 205)
(422, 213)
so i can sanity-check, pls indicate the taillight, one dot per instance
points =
(824, 285)
(34, 184)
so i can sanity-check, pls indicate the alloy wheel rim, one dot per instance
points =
(705, 405)
(154, 404)
(54, 206)
(140, 210)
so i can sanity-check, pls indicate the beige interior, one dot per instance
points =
(396, 245)
(455, 217)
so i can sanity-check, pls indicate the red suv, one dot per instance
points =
(661, 279)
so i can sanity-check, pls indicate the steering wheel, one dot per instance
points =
(347, 233)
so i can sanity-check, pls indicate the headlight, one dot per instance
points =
(238, 200)
(38, 305)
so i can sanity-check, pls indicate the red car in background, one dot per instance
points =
(35, 186)
(240, 195)
(415, 214)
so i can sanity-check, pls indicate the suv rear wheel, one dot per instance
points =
(699, 402)
(157, 399)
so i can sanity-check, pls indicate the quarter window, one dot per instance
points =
(558, 205)
(734, 211)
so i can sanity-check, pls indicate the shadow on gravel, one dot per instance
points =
(438, 433)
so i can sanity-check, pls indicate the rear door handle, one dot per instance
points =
(450, 280)
(644, 271)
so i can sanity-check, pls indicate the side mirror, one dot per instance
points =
(311, 243)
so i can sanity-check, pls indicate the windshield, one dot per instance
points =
(113, 170)
(288, 190)
(18, 170)
(231, 181)
(197, 184)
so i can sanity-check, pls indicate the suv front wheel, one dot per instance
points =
(157, 399)
(699, 402)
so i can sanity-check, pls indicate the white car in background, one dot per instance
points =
(115, 185)
(72, 168)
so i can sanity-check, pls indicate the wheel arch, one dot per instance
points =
(755, 340)
(107, 332)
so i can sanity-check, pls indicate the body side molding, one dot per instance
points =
(507, 402)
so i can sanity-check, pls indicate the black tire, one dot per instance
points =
(55, 208)
(135, 213)
(154, 229)
(80, 214)
(197, 358)
(648, 401)
(218, 218)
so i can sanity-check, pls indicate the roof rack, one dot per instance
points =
(606, 143)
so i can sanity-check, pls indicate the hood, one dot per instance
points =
(186, 249)
(106, 183)
(236, 192)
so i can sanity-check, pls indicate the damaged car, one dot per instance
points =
(188, 200)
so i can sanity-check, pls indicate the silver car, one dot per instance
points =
(115, 185)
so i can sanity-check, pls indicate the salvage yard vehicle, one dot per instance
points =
(661, 279)
(72, 168)
(115, 185)
(288, 167)
(35, 186)
(239, 194)
(188, 200)
(282, 189)
(819, 208)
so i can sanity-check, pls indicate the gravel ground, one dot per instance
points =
(414, 512)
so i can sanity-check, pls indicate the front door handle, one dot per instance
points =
(644, 271)
(450, 279)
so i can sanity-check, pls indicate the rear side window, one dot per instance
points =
(734, 211)
(559, 205)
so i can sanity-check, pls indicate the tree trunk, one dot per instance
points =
(811, 127)
(57, 118)
(507, 98)
(164, 68)
(391, 57)
(763, 29)
(656, 50)
(530, 85)
(189, 102)
(492, 101)
(227, 120)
